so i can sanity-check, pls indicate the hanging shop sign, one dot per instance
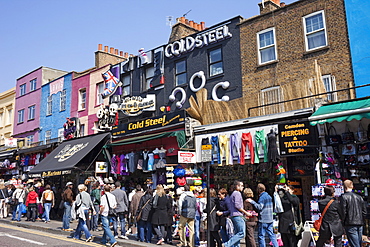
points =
(186, 157)
(71, 128)
(133, 106)
(101, 167)
(203, 39)
(11, 142)
(150, 123)
(206, 153)
(297, 138)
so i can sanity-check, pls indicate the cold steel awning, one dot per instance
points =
(344, 111)
(68, 154)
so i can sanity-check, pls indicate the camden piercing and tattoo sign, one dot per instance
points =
(135, 105)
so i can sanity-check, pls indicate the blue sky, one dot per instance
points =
(65, 34)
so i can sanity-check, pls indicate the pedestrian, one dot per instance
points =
(354, 214)
(10, 188)
(200, 216)
(18, 197)
(121, 210)
(265, 216)
(187, 208)
(290, 203)
(237, 214)
(134, 203)
(107, 201)
(213, 219)
(252, 221)
(95, 198)
(331, 223)
(3, 200)
(223, 212)
(144, 211)
(160, 206)
(83, 205)
(68, 199)
(31, 203)
(170, 216)
(48, 201)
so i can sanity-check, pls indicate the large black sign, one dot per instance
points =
(297, 138)
(149, 123)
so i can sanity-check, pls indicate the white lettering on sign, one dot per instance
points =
(189, 43)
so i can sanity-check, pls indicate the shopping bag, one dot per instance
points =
(278, 206)
(332, 138)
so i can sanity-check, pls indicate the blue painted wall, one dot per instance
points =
(358, 19)
(55, 121)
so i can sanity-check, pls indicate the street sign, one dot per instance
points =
(206, 153)
(186, 157)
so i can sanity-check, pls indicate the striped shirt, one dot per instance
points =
(265, 207)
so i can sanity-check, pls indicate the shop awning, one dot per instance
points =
(344, 111)
(68, 154)
(7, 154)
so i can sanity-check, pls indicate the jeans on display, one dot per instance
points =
(264, 228)
(95, 218)
(354, 235)
(107, 232)
(246, 140)
(215, 149)
(47, 207)
(144, 229)
(82, 227)
(17, 210)
(234, 148)
(239, 232)
(197, 230)
(121, 216)
(67, 215)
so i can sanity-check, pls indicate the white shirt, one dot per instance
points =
(104, 202)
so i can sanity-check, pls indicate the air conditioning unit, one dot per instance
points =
(190, 123)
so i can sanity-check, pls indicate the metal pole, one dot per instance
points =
(208, 202)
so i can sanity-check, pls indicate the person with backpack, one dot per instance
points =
(18, 198)
(144, 216)
(187, 207)
(48, 202)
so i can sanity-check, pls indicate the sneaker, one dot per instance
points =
(116, 236)
(123, 237)
(68, 230)
(114, 244)
(89, 239)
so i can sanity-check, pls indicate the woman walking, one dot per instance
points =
(161, 205)
(3, 199)
(31, 203)
(224, 201)
(18, 196)
(48, 201)
(213, 219)
(252, 221)
(144, 225)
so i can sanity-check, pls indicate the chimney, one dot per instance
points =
(100, 47)
(203, 24)
(267, 6)
(121, 53)
(111, 51)
(116, 52)
(282, 4)
(106, 49)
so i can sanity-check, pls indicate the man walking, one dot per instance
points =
(236, 213)
(68, 199)
(265, 216)
(121, 209)
(354, 211)
(187, 207)
(107, 201)
(95, 198)
(134, 206)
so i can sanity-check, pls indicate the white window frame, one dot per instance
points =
(267, 97)
(63, 100)
(180, 73)
(22, 89)
(260, 49)
(9, 116)
(33, 84)
(306, 35)
(330, 86)
(82, 99)
(47, 136)
(1, 119)
(82, 130)
(149, 74)
(99, 90)
(31, 112)
(61, 134)
(211, 63)
(126, 84)
(49, 105)
(21, 116)
(29, 140)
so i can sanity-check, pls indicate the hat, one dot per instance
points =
(69, 183)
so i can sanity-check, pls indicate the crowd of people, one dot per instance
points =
(161, 213)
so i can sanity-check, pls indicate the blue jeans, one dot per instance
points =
(17, 210)
(264, 228)
(354, 235)
(82, 226)
(144, 229)
(224, 235)
(107, 232)
(67, 215)
(239, 230)
(95, 218)
(197, 230)
(121, 216)
(47, 207)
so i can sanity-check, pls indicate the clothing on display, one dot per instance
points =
(246, 140)
(260, 139)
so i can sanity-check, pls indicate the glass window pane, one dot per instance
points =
(149, 72)
(181, 79)
(180, 67)
(314, 23)
(215, 56)
(216, 69)
(266, 39)
(126, 90)
(126, 80)
(268, 54)
(316, 39)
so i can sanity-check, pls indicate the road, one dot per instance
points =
(13, 236)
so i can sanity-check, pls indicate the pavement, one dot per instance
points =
(55, 227)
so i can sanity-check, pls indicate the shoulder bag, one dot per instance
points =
(111, 211)
(332, 138)
(138, 217)
(317, 223)
(298, 229)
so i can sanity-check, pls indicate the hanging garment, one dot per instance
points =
(150, 161)
(113, 164)
(131, 162)
(246, 140)
(123, 164)
(162, 159)
(118, 167)
(260, 139)
(223, 140)
(215, 150)
(145, 161)
(234, 148)
(273, 152)
(205, 141)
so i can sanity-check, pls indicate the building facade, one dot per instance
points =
(7, 100)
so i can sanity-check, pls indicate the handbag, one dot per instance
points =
(298, 229)
(111, 211)
(22, 208)
(348, 136)
(278, 206)
(361, 133)
(317, 223)
(332, 138)
(138, 217)
(205, 222)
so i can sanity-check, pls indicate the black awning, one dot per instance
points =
(7, 154)
(68, 154)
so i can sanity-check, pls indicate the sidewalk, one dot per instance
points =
(55, 226)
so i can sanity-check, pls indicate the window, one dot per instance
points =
(266, 46)
(215, 62)
(31, 112)
(315, 30)
(99, 91)
(21, 116)
(82, 99)
(33, 85)
(9, 117)
(330, 86)
(29, 140)
(269, 96)
(22, 89)
(47, 136)
(1, 119)
(126, 85)
(49, 105)
(82, 130)
(149, 74)
(60, 135)
(63, 100)
(180, 72)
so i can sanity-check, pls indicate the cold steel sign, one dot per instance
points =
(296, 138)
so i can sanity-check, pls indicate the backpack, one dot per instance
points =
(188, 207)
(48, 196)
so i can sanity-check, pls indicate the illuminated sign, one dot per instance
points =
(297, 138)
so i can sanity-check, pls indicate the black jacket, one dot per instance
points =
(332, 221)
(286, 218)
(354, 209)
(146, 215)
(212, 217)
(160, 216)
(4, 194)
